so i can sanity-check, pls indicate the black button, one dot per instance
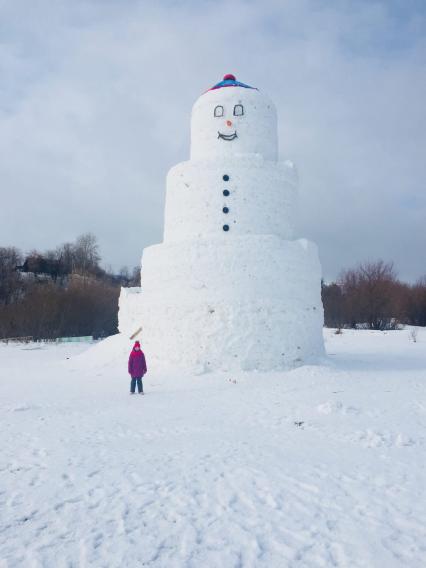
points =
(226, 192)
(226, 227)
(225, 210)
(226, 177)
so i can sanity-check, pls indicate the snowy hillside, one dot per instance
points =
(317, 467)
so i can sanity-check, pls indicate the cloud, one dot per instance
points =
(96, 101)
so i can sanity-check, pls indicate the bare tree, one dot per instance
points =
(86, 254)
(333, 302)
(130, 279)
(10, 281)
(417, 303)
(369, 293)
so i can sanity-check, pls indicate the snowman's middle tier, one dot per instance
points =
(246, 195)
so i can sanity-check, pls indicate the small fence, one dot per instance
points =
(30, 339)
(83, 339)
(7, 340)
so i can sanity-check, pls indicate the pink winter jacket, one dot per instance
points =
(137, 364)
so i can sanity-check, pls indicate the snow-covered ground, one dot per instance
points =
(320, 466)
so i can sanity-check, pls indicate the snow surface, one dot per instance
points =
(129, 307)
(316, 467)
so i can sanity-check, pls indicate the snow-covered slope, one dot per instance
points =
(320, 466)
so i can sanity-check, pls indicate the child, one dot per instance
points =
(137, 368)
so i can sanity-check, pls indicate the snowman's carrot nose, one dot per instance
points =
(228, 123)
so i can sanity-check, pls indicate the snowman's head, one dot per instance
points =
(233, 119)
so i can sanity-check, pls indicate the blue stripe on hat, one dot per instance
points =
(231, 82)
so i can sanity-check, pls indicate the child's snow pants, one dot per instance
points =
(133, 382)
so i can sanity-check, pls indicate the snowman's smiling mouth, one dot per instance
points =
(227, 136)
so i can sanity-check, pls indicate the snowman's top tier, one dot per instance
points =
(233, 119)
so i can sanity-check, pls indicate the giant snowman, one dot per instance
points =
(230, 287)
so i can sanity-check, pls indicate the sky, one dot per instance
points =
(96, 97)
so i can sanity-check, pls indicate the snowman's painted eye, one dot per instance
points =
(218, 111)
(238, 110)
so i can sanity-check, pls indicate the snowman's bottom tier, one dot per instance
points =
(248, 302)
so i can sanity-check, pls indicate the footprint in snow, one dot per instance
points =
(22, 407)
(333, 406)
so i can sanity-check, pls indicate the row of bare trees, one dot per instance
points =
(81, 257)
(371, 295)
(65, 292)
(61, 292)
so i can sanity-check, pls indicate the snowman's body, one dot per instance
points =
(230, 288)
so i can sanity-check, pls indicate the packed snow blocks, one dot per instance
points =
(230, 287)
